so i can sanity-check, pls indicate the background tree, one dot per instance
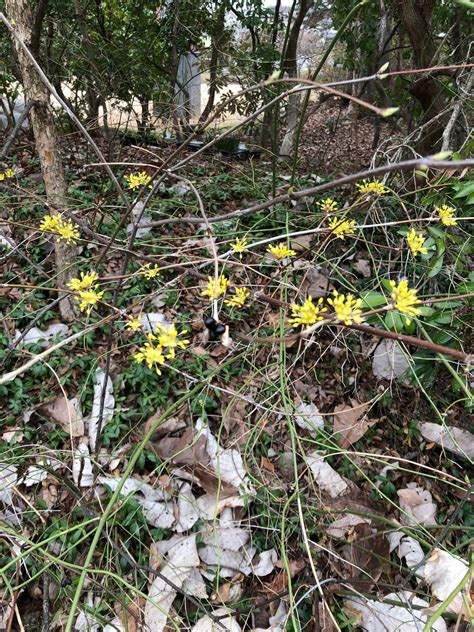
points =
(27, 27)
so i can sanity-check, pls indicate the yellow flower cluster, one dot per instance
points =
(328, 205)
(346, 308)
(88, 294)
(372, 188)
(64, 228)
(88, 298)
(308, 313)
(133, 323)
(137, 180)
(216, 287)
(84, 283)
(151, 355)
(281, 251)
(404, 299)
(239, 299)
(8, 173)
(239, 246)
(149, 271)
(161, 346)
(167, 337)
(415, 242)
(446, 213)
(342, 228)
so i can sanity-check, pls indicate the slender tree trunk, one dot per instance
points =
(144, 120)
(214, 64)
(91, 72)
(37, 26)
(42, 123)
(416, 16)
(93, 103)
(174, 66)
(290, 65)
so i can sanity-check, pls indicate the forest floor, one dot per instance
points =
(271, 481)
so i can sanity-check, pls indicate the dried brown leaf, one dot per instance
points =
(316, 284)
(350, 422)
(301, 243)
(367, 553)
(67, 412)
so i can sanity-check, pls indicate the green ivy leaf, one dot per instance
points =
(393, 321)
(464, 189)
(436, 266)
(374, 299)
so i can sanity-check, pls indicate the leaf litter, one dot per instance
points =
(351, 423)
(456, 440)
(211, 493)
(225, 544)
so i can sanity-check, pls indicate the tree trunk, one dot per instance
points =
(267, 131)
(416, 18)
(144, 120)
(90, 71)
(42, 123)
(214, 64)
(174, 67)
(92, 116)
(290, 65)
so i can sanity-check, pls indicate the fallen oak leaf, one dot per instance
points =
(378, 616)
(456, 440)
(326, 477)
(68, 413)
(442, 573)
(417, 505)
(182, 557)
(389, 361)
(350, 422)
(206, 624)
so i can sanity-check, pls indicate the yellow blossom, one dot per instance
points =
(9, 173)
(281, 251)
(49, 223)
(240, 297)
(446, 213)
(167, 337)
(372, 188)
(149, 272)
(415, 242)
(151, 355)
(216, 288)
(328, 205)
(68, 231)
(342, 228)
(308, 313)
(239, 246)
(87, 293)
(2, 176)
(346, 308)
(84, 283)
(136, 180)
(64, 228)
(404, 299)
(133, 323)
(88, 298)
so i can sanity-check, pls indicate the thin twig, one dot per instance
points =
(8, 377)
(16, 129)
(408, 165)
(374, 331)
(455, 114)
(215, 302)
(45, 623)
